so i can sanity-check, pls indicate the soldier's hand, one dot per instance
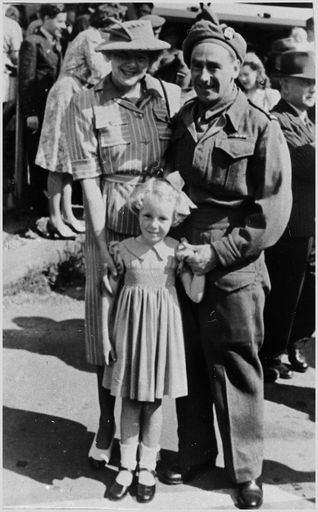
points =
(203, 258)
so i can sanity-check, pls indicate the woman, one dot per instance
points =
(255, 83)
(82, 67)
(118, 131)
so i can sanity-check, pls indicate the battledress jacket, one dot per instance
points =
(239, 175)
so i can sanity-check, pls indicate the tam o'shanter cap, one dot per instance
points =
(131, 35)
(206, 31)
(298, 64)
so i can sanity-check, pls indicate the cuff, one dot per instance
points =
(82, 169)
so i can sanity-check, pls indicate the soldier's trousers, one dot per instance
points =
(223, 335)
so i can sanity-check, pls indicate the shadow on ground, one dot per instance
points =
(41, 335)
(300, 398)
(45, 448)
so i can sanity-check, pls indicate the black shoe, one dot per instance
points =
(270, 373)
(118, 491)
(145, 493)
(297, 360)
(182, 474)
(274, 368)
(250, 494)
(284, 371)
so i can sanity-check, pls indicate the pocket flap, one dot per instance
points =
(236, 147)
(236, 279)
(106, 117)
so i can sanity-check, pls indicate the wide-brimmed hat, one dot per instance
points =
(207, 31)
(131, 35)
(282, 45)
(298, 64)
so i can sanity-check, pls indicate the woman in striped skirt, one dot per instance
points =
(117, 131)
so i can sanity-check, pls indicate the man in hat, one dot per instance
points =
(288, 260)
(236, 167)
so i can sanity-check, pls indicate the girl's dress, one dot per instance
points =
(147, 328)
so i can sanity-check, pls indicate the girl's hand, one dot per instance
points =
(116, 256)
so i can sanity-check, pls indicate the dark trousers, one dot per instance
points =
(226, 336)
(287, 262)
(38, 176)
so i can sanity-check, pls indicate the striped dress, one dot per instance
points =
(111, 138)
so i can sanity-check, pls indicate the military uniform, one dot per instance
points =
(237, 171)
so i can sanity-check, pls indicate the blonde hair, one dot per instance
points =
(160, 188)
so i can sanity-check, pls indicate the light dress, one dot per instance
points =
(82, 66)
(147, 328)
(265, 98)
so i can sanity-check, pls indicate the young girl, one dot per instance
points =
(146, 334)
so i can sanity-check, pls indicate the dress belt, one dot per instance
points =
(128, 177)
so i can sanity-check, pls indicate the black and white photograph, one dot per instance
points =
(158, 262)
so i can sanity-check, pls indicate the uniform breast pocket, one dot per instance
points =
(163, 124)
(229, 162)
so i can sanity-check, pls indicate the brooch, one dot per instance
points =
(228, 33)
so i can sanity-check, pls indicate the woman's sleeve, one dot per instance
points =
(81, 137)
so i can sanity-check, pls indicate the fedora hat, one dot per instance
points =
(131, 35)
(299, 64)
(282, 45)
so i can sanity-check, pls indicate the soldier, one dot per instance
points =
(235, 163)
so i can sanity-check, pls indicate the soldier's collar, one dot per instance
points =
(237, 109)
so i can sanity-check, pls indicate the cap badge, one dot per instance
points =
(228, 33)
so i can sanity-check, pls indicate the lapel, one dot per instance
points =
(51, 54)
(305, 131)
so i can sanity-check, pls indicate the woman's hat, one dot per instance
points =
(131, 35)
(299, 64)
(206, 31)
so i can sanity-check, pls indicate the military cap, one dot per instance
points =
(206, 31)
(298, 64)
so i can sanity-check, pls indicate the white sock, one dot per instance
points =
(128, 454)
(148, 457)
(124, 477)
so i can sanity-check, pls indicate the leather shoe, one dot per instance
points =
(145, 493)
(250, 494)
(179, 474)
(297, 360)
(274, 368)
(118, 491)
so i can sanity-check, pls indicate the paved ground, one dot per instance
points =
(50, 412)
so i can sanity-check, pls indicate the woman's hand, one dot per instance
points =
(109, 354)
(108, 268)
